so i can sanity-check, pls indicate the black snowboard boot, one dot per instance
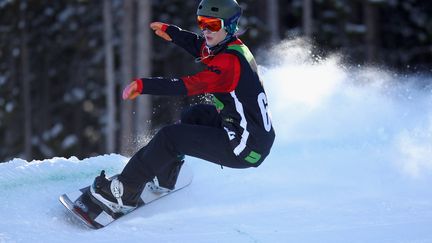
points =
(117, 196)
(165, 181)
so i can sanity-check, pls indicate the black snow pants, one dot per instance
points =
(200, 134)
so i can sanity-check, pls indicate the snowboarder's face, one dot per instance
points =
(213, 38)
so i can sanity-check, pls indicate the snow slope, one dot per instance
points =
(352, 162)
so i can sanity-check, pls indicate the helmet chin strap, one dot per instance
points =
(214, 50)
(221, 45)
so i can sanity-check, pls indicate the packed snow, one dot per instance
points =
(352, 162)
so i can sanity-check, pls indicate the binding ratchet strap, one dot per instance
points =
(117, 191)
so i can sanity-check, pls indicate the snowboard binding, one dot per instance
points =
(165, 182)
(112, 194)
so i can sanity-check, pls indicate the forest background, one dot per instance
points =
(63, 64)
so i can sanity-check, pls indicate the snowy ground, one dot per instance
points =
(352, 163)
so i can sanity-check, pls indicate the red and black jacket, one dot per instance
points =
(231, 76)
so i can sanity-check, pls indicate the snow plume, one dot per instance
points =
(415, 149)
(319, 102)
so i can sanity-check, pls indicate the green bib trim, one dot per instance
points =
(219, 105)
(243, 50)
(246, 53)
(253, 157)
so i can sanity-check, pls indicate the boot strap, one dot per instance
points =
(117, 190)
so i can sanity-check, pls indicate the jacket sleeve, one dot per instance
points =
(189, 41)
(162, 86)
(220, 76)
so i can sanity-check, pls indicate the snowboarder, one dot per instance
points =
(235, 132)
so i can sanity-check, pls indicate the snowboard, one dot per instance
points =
(95, 216)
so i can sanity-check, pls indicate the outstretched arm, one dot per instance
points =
(189, 41)
(221, 76)
(154, 86)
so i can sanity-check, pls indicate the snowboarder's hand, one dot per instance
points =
(159, 29)
(133, 90)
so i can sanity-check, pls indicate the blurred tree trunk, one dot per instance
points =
(11, 129)
(308, 18)
(371, 37)
(44, 116)
(144, 103)
(109, 76)
(126, 60)
(273, 19)
(25, 78)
